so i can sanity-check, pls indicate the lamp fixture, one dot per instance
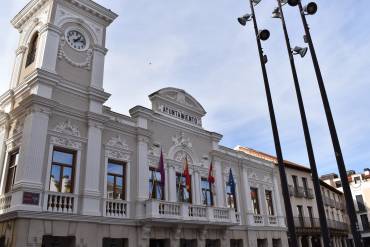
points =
(310, 9)
(299, 50)
(244, 19)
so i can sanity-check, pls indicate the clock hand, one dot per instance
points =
(78, 39)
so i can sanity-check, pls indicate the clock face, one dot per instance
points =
(76, 40)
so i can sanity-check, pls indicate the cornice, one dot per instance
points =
(140, 111)
(98, 94)
(27, 12)
(95, 9)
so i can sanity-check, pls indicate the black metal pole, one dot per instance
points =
(292, 237)
(311, 156)
(333, 133)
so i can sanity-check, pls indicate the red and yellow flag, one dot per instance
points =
(187, 175)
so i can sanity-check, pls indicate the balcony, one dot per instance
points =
(309, 194)
(60, 202)
(264, 220)
(164, 210)
(5, 201)
(115, 208)
(306, 222)
(296, 191)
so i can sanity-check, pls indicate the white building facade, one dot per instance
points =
(75, 173)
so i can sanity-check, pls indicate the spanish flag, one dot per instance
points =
(187, 176)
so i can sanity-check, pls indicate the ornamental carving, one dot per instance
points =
(67, 128)
(118, 155)
(117, 142)
(181, 155)
(65, 142)
(180, 140)
(85, 64)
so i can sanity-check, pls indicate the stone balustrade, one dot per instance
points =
(156, 209)
(60, 202)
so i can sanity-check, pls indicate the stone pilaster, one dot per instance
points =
(91, 189)
(97, 71)
(20, 53)
(219, 184)
(31, 156)
(47, 51)
(171, 183)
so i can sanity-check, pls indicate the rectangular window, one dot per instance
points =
(156, 191)
(62, 171)
(360, 203)
(207, 197)
(270, 205)
(305, 186)
(300, 211)
(56, 241)
(310, 215)
(295, 181)
(116, 180)
(365, 222)
(236, 243)
(230, 197)
(115, 242)
(255, 202)
(12, 169)
(183, 194)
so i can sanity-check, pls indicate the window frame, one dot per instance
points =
(9, 186)
(272, 213)
(183, 186)
(123, 176)
(32, 49)
(231, 196)
(256, 203)
(156, 170)
(73, 167)
(207, 190)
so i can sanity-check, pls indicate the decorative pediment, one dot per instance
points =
(67, 128)
(65, 142)
(177, 104)
(117, 142)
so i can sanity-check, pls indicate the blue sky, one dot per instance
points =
(199, 46)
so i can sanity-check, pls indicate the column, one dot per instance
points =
(197, 188)
(269, 241)
(20, 52)
(142, 168)
(299, 241)
(31, 156)
(172, 197)
(97, 71)
(246, 204)
(47, 51)
(91, 190)
(309, 239)
(219, 183)
(4, 132)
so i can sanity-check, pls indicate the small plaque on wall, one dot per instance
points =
(31, 198)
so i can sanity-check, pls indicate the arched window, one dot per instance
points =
(32, 48)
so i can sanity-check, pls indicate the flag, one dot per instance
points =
(187, 175)
(211, 178)
(161, 170)
(231, 182)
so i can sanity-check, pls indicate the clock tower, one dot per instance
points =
(63, 42)
(56, 89)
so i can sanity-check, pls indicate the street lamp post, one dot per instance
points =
(311, 9)
(263, 35)
(278, 13)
